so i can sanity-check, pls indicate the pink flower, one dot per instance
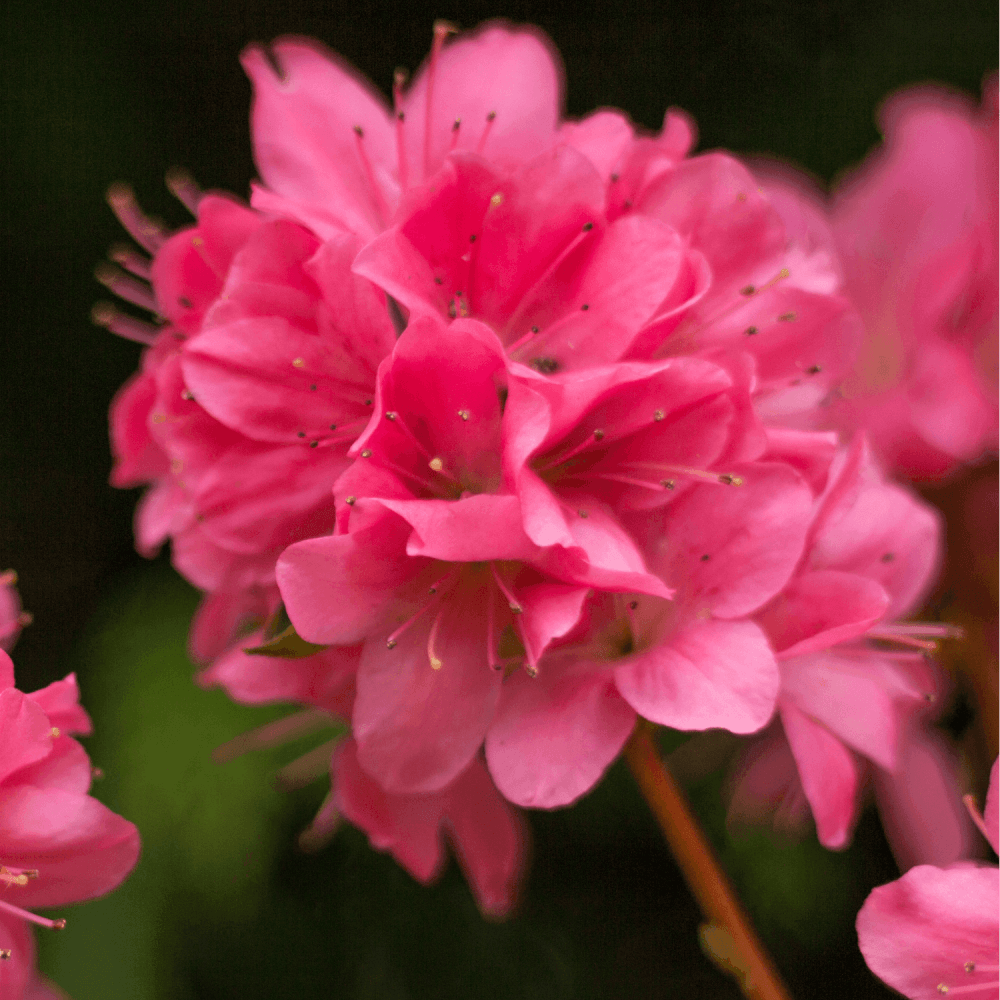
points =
(934, 931)
(916, 226)
(431, 567)
(12, 617)
(694, 662)
(247, 401)
(57, 844)
(578, 243)
(870, 554)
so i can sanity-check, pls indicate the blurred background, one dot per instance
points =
(221, 904)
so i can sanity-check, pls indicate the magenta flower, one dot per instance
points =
(57, 844)
(851, 678)
(934, 931)
(916, 227)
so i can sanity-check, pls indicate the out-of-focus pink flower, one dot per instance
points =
(57, 844)
(934, 931)
(851, 678)
(12, 617)
(916, 228)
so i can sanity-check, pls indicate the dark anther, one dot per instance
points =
(544, 365)
(705, 557)
(359, 131)
(587, 226)
(750, 331)
(747, 290)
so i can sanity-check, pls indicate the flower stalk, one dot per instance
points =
(728, 935)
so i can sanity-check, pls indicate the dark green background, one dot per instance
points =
(221, 906)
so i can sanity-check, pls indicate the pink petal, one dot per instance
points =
(138, 458)
(336, 588)
(595, 302)
(25, 733)
(541, 210)
(603, 137)
(920, 930)
(554, 736)
(404, 705)
(66, 768)
(817, 610)
(408, 826)
(6, 671)
(224, 614)
(259, 498)
(879, 530)
(752, 534)
(513, 75)
(713, 201)
(325, 679)
(489, 838)
(551, 610)
(80, 848)
(920, 805)
(17, 972)
(476, 529)
(305, 144)
(835, 688)
(60, 701)
(711, 675)
(828, 772)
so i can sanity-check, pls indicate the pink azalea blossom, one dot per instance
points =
(851, 678)
(934, 931)
(916, 228)
(247, 400)
(431, 567)
(694, 662)
(57, 844)
(579, 243)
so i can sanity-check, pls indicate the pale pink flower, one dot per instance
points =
(916, 228)
(58, 845)
(934, 931)
(851, 677)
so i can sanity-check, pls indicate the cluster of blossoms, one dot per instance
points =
(490, 433)
(58, 844)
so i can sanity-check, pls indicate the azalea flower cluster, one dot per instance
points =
(491, 432)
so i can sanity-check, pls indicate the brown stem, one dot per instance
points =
(741, 952)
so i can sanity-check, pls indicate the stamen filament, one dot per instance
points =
(490, 119)
(545, 275)
(307, 768)
(122, 325)
(977, 818)
(512, 601)
(184, 188)
(725, 478)
(291, 727)
(132, 261)
(148, 234)
(398, 80)
(432, 657)
(442, 29)
(588, 442)
(126, 287)
(56, 925)
(369, 172)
